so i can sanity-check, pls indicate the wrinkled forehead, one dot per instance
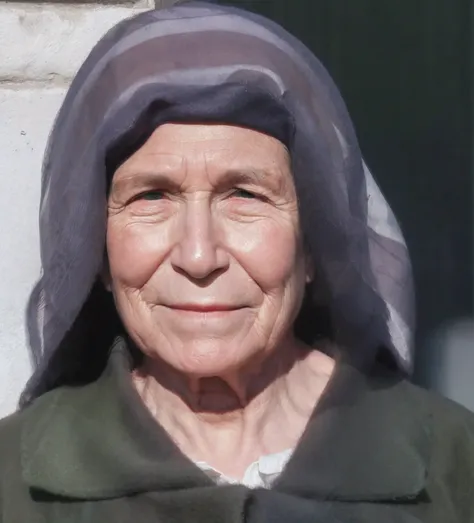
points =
(202, 156)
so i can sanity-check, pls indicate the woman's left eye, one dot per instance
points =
(242, 193)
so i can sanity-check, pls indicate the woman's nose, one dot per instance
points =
(197, 251)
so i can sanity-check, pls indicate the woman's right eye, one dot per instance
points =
(151, 195)
(148, 196)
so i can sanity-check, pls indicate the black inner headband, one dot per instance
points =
(233, 104)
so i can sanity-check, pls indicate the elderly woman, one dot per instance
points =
(222, 328)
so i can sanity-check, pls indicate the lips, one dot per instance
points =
(204, 308)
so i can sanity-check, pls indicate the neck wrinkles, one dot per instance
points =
(259, 410)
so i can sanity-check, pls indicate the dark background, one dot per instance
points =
(405, 69)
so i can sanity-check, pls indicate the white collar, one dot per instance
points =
(260, 473)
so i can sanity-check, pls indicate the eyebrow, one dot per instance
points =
(143, 180)
(252, 176)
(151, 179)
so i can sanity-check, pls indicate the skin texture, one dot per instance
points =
(208, 271)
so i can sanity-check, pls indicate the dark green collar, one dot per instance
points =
(368, 440)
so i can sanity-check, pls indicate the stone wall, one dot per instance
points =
(42, 45)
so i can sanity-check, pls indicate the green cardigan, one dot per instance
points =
(377, 450)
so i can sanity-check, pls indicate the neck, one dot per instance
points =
(257, 410)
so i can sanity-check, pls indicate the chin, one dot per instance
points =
(207, 359)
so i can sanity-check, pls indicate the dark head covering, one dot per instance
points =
(199, 62)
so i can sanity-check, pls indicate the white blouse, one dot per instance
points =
(261, 473)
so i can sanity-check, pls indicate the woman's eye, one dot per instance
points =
(151, 195)
(242, 193)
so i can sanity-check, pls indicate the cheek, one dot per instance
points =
(270, 253)
(135, 251)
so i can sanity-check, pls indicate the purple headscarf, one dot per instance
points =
(203, 62)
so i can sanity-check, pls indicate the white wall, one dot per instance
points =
(41, 47)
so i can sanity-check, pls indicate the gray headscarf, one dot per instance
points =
(203, 62)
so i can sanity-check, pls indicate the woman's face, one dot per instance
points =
(205, 255)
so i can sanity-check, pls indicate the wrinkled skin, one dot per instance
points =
(206, 216)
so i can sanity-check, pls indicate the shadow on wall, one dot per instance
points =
(449, 362)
